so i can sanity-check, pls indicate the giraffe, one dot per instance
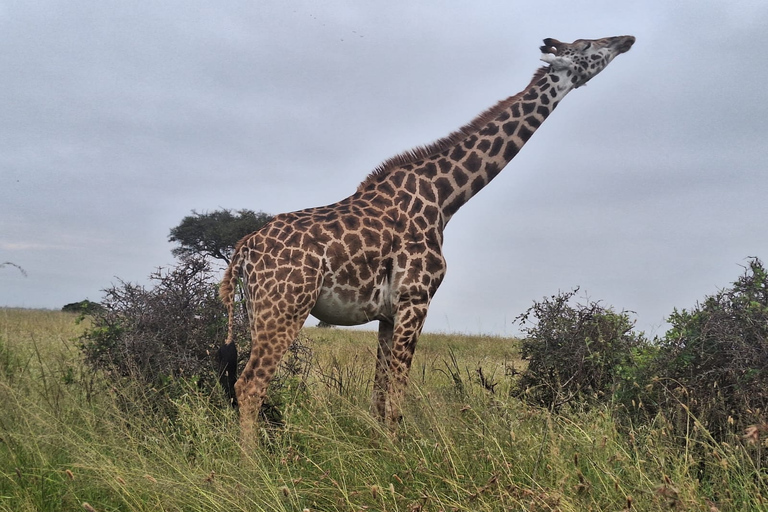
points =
(377, 255)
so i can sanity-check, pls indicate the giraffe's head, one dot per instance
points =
(582, 59)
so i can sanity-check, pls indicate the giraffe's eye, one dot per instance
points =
(588, 46)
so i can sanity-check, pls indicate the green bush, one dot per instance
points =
(581, 352)
(713, 361)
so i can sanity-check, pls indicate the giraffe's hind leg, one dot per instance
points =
(272, 332)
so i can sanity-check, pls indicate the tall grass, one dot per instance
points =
(69, 437)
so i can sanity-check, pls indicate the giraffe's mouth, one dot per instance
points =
(550, 46)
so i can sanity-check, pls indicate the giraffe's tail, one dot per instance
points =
(229, 285)
(227, 354)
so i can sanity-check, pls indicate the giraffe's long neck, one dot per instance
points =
(462, 169)
(449, 172)
(464, 162)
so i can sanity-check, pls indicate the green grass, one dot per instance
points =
(66, 439)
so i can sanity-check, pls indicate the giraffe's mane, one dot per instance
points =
(422, 152)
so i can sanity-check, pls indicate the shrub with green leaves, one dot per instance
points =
(581, 352)
(713, 361)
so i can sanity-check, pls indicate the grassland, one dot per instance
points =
(70, 441)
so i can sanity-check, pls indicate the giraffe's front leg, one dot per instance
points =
(408, 324)
(381, 379)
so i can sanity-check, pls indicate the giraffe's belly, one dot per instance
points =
(352, 307)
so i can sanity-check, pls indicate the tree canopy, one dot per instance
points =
(215, 233)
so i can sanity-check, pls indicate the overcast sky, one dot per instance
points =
(647, 188)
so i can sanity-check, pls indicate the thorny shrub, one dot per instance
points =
(713, 361)
(581, 352)
(165, 338)
(160, 334)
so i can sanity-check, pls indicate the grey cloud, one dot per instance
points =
(646, 187)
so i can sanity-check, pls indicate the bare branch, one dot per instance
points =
(11, 264)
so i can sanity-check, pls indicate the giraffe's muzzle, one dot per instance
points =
(624, 43)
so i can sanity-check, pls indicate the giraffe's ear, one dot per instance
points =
(557, 63)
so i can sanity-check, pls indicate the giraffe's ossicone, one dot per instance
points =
(377, 255)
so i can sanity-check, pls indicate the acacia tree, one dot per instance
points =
(215, 233)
